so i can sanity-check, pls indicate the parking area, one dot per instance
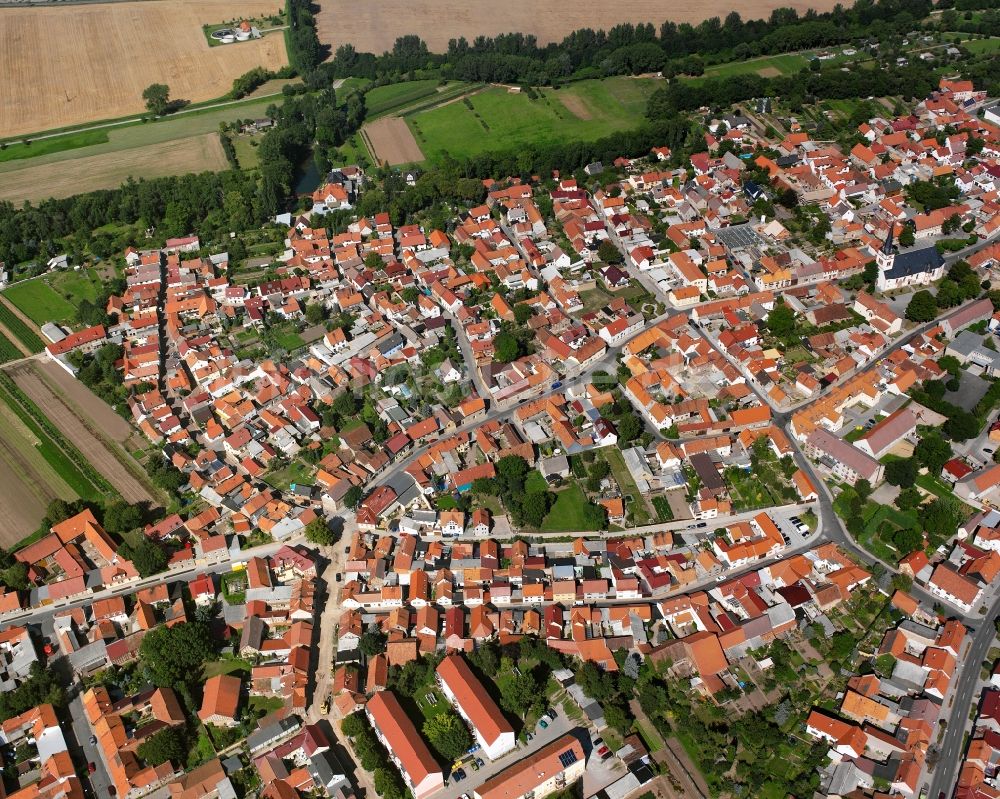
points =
(540, 737)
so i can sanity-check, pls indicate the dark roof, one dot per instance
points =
(913, 262)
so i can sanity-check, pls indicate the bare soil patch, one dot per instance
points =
(110, 423)
(374, 26)
(575, 105)
(65, 65)
(77, 427)
(769, 72)
(109, 170)
(392, 141)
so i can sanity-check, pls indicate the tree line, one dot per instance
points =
(632, 48)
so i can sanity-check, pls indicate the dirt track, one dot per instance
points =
(392, 141)
(71, 423)
(374, 26)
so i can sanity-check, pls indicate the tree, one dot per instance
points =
(609, 253)
(962, 426)
(120, 517)
(523, 312)
(157, 97)
(902, 472)
(448, 734)
(165, 745)
(922, 307)
(518, 692)
(781, 320)
(842, 644)
(387, 783)
(315, 313)
(535, 506)
(373, 642)
(353, 725)
(505, 347)
(629, 428)
(319, 532)
(173, 656)
(933, 452)
(909, 498)
(147, 556)
(863, 489)
(353, 497)
(906, 236)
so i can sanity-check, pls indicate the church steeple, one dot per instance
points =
(887, 247)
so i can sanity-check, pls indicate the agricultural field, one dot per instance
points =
(396, 95)
(79, 421)
(374, 26)
(496, 119)
(390, 142)
(109, 170)
(100, 57)
(12, 322)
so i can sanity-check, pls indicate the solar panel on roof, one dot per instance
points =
(567, 758)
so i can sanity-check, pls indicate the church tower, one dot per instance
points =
(884, 259)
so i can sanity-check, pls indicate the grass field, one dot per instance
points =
(109, 170)
(374, 26)
(769, 66)
(980, 46)
(383, 99)
(566, 515)
(97, 58)
(71, 141)
(40, 302)
(638, 513)
(496, 119)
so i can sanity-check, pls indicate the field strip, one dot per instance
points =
(104, 454)
(201, 153)
(21, 315)
(15, 340)
(441, 102)
(59, 453)
(95, 428)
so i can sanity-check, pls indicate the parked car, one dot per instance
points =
(93, 740)
(480, 762)
(551, 713)
(459, 775)
(543, 723)
(474, 765)
(528, 736)
(598, 742)
(91, 767)
(557, 384)
(604, 753)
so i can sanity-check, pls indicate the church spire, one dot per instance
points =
(887, 247)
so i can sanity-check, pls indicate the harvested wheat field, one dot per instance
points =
(67, 65)
(392, 142)
(374, 26)
(83, 431)
(109, 170)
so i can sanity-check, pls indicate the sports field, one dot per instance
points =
(496, 119)
(66, 65)
(373, 26)
(109, 170)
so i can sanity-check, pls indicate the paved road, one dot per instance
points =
(967, 685)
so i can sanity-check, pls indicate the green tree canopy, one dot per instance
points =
(922, 307)
(157, 98)
(173, 656)
(166, 745)
(448, 734)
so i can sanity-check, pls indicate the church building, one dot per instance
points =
(898, 270)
